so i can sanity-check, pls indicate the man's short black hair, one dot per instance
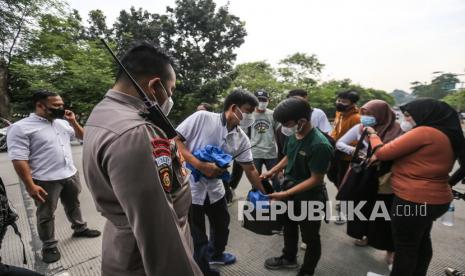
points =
(349, 94)
(145, 60)
(41, 96)
(297, 92)
(240, 97)
(292, 109)
(207, 106)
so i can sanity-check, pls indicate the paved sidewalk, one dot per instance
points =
(339, 257)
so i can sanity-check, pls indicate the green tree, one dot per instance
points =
(16, 19)
(301, 70)
(136, 25)
(203, 39)
(301, 67)
(60, 59)
(439, 87)
(259, 75)
(456, 100)
(324, 95)
(97, 25)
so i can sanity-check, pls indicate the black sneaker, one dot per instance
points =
(280, 263)
(88, 233)
(50, 255)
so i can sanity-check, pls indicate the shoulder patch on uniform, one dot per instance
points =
(161, 151)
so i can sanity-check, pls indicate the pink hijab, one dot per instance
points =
(387, 127)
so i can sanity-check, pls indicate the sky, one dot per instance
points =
(382, 44)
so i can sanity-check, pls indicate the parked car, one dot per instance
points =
(4, 124)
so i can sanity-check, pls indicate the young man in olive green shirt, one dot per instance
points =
(308, 155)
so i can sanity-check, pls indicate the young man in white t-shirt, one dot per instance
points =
(208, 194)
(319, 118)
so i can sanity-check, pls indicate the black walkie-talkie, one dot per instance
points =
(154, 114)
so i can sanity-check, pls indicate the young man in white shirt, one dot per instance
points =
(208, 193)
(39, 147)
(319, 118)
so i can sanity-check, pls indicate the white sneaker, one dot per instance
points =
(234, 197)
(303, 246)
(374, 274)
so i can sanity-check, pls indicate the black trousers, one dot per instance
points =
(342, 167)
(269, 164)
(201, 255)
(218, 217)
(310, 231)
(412, 236)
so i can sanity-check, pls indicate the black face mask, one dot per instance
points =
(341, 107)
(56, 113)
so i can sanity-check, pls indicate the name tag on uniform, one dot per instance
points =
(163, 160)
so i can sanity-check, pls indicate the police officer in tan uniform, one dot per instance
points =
(136, 175)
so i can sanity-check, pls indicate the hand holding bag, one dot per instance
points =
(359, 182)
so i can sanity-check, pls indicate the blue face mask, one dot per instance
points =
(368, 121)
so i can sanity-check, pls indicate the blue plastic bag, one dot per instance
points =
(211, 154)
(255, 196)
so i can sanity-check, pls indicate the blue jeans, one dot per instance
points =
(269, 163)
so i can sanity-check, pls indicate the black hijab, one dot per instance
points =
(441, 116)
(438, 115)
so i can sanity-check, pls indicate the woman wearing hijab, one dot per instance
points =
(423, 158)
(380, 116)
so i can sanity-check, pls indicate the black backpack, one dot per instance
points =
(8, 217)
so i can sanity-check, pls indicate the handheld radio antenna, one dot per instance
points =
(155, 115)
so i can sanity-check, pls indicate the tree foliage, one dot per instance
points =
(200, 36)
(324, 95)
(59, 58)
(300, 69)
(439, 87)
(16, 20)
(456, 100)
(305, 68)
(260, 75)
(98, 26)
(63, 55)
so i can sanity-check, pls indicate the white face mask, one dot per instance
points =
(289, 131)
(406, 126)
(262, 105)
(247, 119)
(168, 104)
